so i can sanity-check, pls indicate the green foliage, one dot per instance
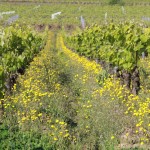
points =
(18, 140)
(119, 44)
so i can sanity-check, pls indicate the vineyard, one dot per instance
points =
(72, 78)
(40, 14)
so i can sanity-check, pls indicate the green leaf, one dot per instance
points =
(144, 38)
(127, 66)
(138, 47)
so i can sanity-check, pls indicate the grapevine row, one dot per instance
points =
(119, 45)
(18, 45)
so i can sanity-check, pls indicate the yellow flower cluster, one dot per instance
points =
(58, 130)
(136, 106)
(90, 66)
(32, 90)
(140, 109)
